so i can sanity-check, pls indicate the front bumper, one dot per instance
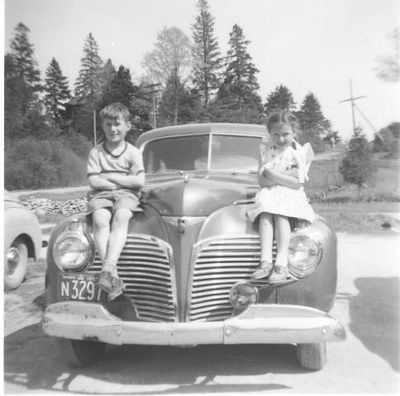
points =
(259, 324)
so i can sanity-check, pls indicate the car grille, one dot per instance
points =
(219, 263)
(146, 266)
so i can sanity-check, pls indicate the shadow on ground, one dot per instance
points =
(30, 360)
(374, 315)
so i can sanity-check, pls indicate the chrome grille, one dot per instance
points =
(147, 269)
(219, 263)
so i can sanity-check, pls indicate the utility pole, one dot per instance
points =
(154, 90)
(353, 105)
(94, 127)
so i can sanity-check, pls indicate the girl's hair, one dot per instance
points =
(283, 117)
(113, 111)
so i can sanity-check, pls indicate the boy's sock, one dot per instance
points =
(109, 266)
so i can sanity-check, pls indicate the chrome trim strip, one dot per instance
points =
(259, 324)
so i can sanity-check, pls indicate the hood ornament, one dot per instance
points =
(181, 224)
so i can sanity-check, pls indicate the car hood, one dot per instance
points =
(197, 194)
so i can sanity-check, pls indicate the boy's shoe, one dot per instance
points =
(105, 281)
(117, 288)
(280, 274)
(262, 271)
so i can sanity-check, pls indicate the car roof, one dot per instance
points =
(198, 129)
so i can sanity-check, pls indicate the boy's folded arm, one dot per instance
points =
(127, 181)
(97, 182)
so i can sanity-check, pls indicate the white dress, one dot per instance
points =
(282, 200)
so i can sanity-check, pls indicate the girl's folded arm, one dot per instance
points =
(286, 179)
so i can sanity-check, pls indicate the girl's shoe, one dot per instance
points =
(262, 271)
(279, 274)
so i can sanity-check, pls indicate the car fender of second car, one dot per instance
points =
(20, 222)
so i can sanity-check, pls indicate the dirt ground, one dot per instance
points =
(367, 362)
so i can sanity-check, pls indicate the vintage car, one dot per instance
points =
(188, 258)
(22, 240)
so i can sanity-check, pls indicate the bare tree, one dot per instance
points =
(171, 56)
(388, 68)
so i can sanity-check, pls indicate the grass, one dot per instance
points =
(361, 217)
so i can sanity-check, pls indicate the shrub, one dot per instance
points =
(30, 163)
(356, 166)
(79, 144)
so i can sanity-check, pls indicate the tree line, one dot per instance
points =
(186, 80)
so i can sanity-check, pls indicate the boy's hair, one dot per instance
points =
(113, 111)
(282, 117)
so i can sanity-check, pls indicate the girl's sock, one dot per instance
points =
(281, 260)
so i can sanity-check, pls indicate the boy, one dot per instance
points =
(116, 174)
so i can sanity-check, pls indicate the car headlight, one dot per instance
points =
(73, 251)
(242, 295)
(304, 255)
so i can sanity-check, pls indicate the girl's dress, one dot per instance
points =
(282, 200)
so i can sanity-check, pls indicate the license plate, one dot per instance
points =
(79, 287)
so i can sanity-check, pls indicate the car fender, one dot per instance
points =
(20, 222)
(230, 219)
(318, 289)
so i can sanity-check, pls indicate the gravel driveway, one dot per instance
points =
(367, 362)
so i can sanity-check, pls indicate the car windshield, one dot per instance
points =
(198, 153)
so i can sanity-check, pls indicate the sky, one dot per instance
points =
(313, 46)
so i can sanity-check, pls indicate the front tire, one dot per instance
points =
(15, 264)
(311, 356)
(77, 353)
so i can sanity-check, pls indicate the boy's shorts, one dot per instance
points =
(113, 200)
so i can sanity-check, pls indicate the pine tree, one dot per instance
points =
(25, 65)
(140, 110)
(15, 93)
(120, 88)
(206, 55)
(280, 99)
(22, 53)
(57, 92)
(88, 83)
(177, 105)
(23, 110)
(356, 166)
(313, 124)
(108, 73)
(240, 84)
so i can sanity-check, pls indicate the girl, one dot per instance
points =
(282, 170)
